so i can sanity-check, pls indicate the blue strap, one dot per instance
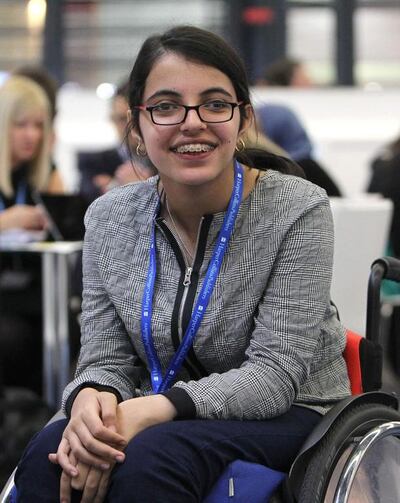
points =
(20, 197)
(160, 384)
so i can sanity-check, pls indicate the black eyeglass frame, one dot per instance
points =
(187, 109)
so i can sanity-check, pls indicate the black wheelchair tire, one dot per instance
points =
(357, 421)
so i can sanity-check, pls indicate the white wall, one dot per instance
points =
(82, 124)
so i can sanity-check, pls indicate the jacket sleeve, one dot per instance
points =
(107, 358)
(288, 328)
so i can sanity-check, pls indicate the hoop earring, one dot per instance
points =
(241, 145)
(140, 152)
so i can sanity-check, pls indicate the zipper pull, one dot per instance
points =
(188, 273)
(231, 488)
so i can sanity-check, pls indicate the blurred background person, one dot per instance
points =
(385, 180)
(45, 80)
(103, 170)
(25, 167)
(282, 126)
(287, 72)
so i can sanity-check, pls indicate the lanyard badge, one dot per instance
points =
(160, 383)
(20, 198)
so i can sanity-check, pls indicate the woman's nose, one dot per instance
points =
(193, 121)
(33, 132)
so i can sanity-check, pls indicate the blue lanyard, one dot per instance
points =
(20, 198)
(159, 383)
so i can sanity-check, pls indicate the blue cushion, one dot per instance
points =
(242, 482)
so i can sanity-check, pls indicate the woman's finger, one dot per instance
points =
(91, 486)
(102, 433)
(95, 453)
(66, 482)
(65, 488)
(80, 481)
(63, 458)
(103, 487)
(53, 458)
(108, 406)
(83, 455)
(93, 436)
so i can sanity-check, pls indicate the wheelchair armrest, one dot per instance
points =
(299, 466)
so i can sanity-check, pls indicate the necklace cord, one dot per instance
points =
(190, 255)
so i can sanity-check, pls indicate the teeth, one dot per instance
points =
(194, 147)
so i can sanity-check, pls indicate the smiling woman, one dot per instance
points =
(201, 300)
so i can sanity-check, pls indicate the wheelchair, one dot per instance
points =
(353, 455)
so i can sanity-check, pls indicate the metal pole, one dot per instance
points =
(53, 43)
(257, 29)
(49, 321)
(63, 324)
(345, 42)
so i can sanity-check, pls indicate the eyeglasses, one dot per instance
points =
(170, 114)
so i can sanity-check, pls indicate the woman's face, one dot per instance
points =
(26, 135)
(193, 152)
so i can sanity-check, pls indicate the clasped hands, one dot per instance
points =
(96, 436)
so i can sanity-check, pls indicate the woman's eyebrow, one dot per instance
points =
(175, 94)
(212, 90)
(164, 92)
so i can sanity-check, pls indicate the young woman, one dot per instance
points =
(207, 329)
(25, 166)
(25, 136)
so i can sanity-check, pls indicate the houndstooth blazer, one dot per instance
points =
(270, 337)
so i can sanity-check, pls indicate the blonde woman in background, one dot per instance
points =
(25, 142)
(25, 167)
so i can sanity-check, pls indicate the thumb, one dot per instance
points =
(108, 406)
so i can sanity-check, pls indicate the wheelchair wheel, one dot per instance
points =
(333, 447)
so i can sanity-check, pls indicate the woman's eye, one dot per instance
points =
(165, 108)
(217, 106)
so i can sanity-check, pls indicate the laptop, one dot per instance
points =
(65, 213)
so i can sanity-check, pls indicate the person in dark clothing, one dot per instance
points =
(315, 173)
(106, 169)
(281, 125)
(385, 180)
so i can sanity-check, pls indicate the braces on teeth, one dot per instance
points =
(194, 148)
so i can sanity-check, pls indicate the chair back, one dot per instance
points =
(361, 234)
(364, 360)
(352, 357)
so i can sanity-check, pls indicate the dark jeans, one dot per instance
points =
(175, 461)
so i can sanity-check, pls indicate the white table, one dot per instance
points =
(56, 268)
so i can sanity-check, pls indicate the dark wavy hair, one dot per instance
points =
(204, 47)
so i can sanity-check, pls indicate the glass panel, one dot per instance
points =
(310, 2)
(102, 38)
(21, 31)
(311, 40)
(377, 47)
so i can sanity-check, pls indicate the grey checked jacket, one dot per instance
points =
(269, 338)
